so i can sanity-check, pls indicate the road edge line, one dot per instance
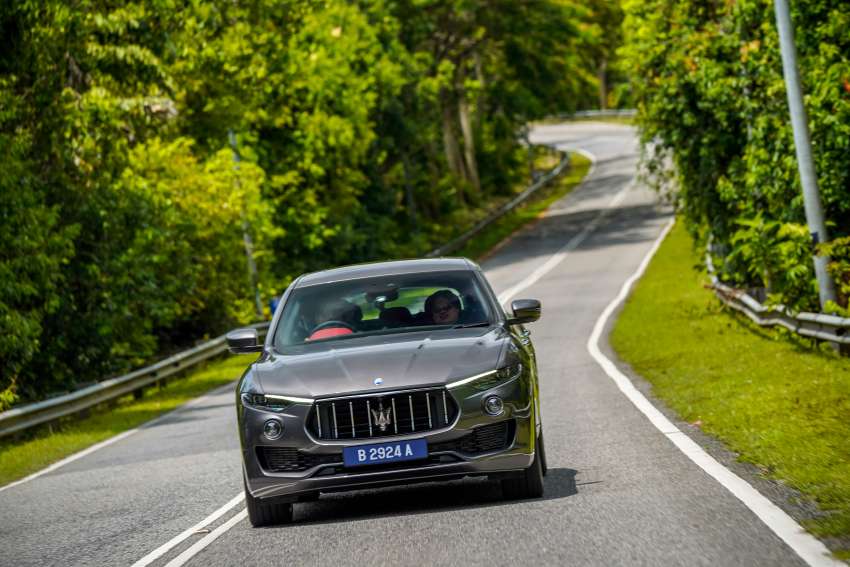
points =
(809, 548)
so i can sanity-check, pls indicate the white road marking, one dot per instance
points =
(571, 245)
(108, 442)
(206, 540)
(809, 548)
(176, 540)
(586, 154)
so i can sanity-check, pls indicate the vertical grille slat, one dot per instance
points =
(319, 423)
(368, 418)
(378, 416)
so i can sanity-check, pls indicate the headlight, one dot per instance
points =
(490, 379)
(261, 402)
(271, 402)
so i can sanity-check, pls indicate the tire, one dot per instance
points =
(527, 485)
(260, 514)
(542, 449)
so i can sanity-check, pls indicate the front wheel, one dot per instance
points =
(542, 448)
(529, 484)
(261, 514)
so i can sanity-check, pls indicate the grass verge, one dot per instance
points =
(21, 457)
(528, 211)
(44, 446)
(771, 397)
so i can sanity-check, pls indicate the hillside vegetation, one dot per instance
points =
(363, 130)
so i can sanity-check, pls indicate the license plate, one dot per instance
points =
(385, 452)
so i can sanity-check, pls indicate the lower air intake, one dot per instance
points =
(494, 437)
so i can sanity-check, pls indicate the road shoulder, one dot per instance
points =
(799, 506)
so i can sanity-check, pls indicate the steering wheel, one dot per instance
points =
(332, 325)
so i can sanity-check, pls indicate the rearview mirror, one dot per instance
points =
(243, 341)
(525, 311)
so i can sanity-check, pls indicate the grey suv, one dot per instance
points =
(388, 373)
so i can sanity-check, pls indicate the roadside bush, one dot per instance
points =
(707, 80)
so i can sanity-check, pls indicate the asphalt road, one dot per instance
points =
(618, 492)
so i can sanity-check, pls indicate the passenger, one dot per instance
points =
(442, 308)
(336, 318)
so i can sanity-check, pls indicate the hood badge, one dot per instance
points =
(382, 417)
(378, 381)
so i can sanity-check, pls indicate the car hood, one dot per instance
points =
(403, 360)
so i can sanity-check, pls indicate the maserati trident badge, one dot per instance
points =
(382, 417)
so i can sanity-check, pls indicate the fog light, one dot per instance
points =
(494, 405)
(272, 429)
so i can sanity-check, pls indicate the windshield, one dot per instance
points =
(381, 305)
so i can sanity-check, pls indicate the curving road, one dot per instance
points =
(618, 492)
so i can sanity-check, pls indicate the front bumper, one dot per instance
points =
(444, 461)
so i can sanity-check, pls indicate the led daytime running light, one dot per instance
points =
(292, 399)
(470, 379)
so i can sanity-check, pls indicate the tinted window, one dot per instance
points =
(381, 305)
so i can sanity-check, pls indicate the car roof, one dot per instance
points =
(392, 268)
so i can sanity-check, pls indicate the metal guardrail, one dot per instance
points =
(814, 325)
(38, 413)
(628, 112)
(30, 415)
(607, 113)
(501, 211)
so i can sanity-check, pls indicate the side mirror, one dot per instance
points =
(525, 311)
(243, 341)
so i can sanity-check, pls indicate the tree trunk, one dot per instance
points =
(452, 148)
(479, 76)
(468, 146)
(431, 161)
(408, 193)
(603, 84)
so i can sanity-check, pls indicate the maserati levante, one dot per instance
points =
(388, 373)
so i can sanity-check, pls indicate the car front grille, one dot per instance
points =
(289, 459)
(387, 415)
(493, 437)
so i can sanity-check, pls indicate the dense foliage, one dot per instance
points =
(707, 80)
(364, 130)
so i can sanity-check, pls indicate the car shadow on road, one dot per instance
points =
(424, 498)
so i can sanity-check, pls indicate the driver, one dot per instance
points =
(442, 308)
(335, 318)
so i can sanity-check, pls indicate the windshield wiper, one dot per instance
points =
(470, 325)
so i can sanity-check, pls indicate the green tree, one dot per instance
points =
(709, 88)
